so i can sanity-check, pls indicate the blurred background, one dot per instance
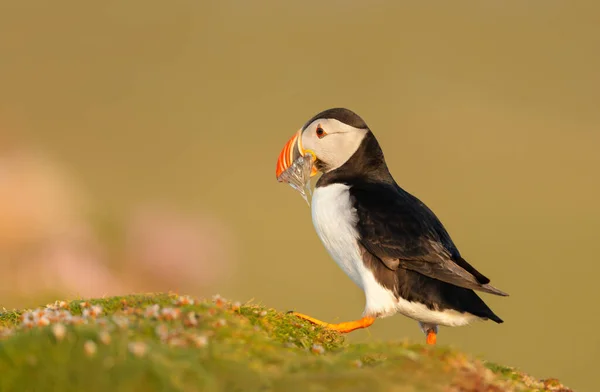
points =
(138, 143)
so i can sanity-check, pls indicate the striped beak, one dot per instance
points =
(292, 151)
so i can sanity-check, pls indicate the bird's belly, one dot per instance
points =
(335, 222)
(334, 218)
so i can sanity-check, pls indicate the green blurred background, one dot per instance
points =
(138, 143)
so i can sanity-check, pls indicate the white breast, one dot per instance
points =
(334, 218)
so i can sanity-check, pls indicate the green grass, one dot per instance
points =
(129, 345)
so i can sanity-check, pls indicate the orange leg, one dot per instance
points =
(431, 337)
(341, 327)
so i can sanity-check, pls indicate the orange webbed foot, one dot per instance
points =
(345, 327)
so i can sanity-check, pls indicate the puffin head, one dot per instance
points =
(332, 137)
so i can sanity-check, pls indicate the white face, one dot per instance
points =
(332, 142)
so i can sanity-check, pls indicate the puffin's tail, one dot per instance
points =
(480, 309)
(495, 318)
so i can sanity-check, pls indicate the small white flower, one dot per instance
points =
(6, 332)
(221, 323)
(199, 340)
(183, 300)
(90, 348)
(64, 315)
(162, 331)
(218, 300)
(104, 337)
(43, 321)
(120, 321)
(27, 320)
(357, 364)
(190, 319)
(95, 310)
(59, 330)
(138, 348)
(170, 313)
(152, 311)
(317, 349)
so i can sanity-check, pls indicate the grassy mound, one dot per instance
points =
(171, 343)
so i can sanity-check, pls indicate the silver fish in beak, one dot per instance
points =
(296, 166)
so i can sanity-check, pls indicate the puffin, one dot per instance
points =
(388, 242)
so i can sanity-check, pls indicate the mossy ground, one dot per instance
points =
(164, 342)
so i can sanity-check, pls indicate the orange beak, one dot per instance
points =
(292, 151)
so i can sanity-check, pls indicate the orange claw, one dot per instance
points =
(346, 327)
(431, 337)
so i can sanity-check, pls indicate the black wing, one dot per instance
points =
(402, 232)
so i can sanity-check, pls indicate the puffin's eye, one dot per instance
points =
(320, 132)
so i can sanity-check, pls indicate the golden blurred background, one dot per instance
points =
(138, 143)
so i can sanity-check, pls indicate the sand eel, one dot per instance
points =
(385, 239)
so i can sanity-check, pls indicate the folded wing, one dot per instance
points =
(402, 232)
